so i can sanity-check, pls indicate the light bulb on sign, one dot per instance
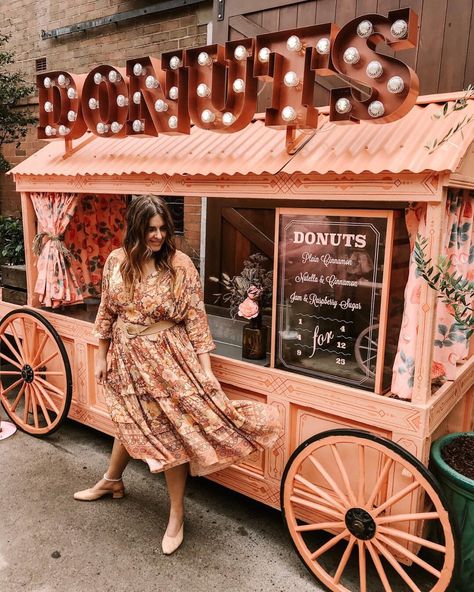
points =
(207, 116)
(294, 43)
(395, 85)
(288, 114)
(49, 131)
(365, 29)
(98, 78)
(122, 101)
(138, 70)
(203, 90)
(102, 128)
(138, 126)
(151, 82)
(48, 107)
(93, 103)
(228, 118)
(291, 79)
(323, 46)
(343, 105)
(204, 59)
(173, 122)
(376, 109)
(240, 53)
(175, 63)
(399, 29)
(174, 92)
(264, 55)
(114, 76)
(137, 97)
(47, 82)
(71, 94)
(116, 127)
(161, 106)
(71, 116)
(351, 55)
(239, 85)
(374, 69)
(63, 80)
(63, 130)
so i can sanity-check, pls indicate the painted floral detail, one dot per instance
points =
(454, 334)
(407, 367)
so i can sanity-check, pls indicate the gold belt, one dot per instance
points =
(132, 330)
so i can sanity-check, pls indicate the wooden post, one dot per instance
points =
(435, 214)
(29, 232)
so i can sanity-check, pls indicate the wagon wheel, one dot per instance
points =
(35, 374)
(374, 505)
(366, 349)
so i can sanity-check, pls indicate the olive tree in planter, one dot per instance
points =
(12, 258)
(452, 456)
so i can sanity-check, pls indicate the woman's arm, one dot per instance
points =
(104, 345)
(100, 372)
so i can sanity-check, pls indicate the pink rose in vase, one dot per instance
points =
(249, 308)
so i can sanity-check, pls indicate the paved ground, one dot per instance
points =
(49, 542)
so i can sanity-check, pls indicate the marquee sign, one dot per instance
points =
(215, 87)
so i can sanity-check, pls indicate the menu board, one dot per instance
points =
(329, 293)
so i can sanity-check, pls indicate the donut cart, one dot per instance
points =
(350, 471)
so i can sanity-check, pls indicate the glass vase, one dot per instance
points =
(254, 339)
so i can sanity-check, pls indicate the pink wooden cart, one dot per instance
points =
(349, 473)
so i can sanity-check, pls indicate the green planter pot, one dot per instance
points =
(459, 491)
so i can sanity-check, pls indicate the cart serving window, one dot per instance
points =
(363, 363)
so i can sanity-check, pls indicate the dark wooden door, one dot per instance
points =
(444, 59)
(236, 228)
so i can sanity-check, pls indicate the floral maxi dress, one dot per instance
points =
(165, 409)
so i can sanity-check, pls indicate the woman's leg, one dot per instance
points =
(118, 460)
(176, 482)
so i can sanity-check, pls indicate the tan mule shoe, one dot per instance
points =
(117, 491)
(170, 544)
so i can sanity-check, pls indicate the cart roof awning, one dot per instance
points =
(336, 148)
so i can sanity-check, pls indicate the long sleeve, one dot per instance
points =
(105, 315)
(193, 311)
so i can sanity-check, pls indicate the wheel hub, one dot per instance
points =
(27, 373)
(360, 523)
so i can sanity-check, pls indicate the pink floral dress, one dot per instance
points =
(165, 409)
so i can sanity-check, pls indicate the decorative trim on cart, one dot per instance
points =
(404, 187)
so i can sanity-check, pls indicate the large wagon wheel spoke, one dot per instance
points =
(396, 566)
(15, 353)
(35, 375)
(372, 516)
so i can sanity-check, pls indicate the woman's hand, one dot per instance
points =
(205, 361)
(100, 372)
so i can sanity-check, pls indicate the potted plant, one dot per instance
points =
(12, 258)
(247, 295)
(452, 456)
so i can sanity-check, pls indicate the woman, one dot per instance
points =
(166, 404)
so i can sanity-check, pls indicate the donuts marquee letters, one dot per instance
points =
(215, 87)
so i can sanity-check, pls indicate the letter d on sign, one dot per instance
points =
(298, 237)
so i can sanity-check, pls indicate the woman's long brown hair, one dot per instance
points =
(139, 213)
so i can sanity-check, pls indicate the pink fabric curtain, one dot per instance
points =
(450, 345)
(56, 283)
(95, 230)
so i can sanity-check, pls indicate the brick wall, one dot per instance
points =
(111, 44)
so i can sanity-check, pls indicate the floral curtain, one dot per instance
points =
(56, 283)
(450, 345)
(95, 230)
